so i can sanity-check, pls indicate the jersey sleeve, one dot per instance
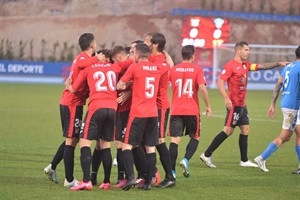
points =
(80, 80)
(125, 64)
(226, 72)
(84, 61)
(201, 77)
(128, 74)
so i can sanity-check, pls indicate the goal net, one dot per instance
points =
(258, 80)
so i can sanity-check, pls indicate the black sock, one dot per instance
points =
(151, 169)
(165, 159)
(120, 164)
(191, 148)
(173, 154)
(215, 143)
(96, 162)
(140, 161)
(243, 143)
(58, 155)
(85, 160)
(128, 163)
(107, 163)
(69, 162)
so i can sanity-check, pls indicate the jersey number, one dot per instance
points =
(149, 87)
(111, 80)
(185, 88)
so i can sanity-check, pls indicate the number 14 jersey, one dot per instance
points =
(185, 79)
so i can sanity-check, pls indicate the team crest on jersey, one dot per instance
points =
(223, 71)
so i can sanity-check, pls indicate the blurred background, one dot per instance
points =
(48, 30)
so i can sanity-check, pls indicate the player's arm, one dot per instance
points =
(83, 62)
(125, 64)
(222, 89)
(169, 59)
(126, 78)
(276, 91)
(266, 66)
(204, 93)
(73, 88)
(121, 85)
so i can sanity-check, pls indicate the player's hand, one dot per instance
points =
(68, 82)
(208, 112)
(271, 111)
(228, 104)
(100, 56)
(123, 96)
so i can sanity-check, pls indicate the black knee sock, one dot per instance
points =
(173, 154)
(151, 169)
(165, 159)
(58, 155)
(107, 163)
(191, 148)
(243, 143)
(120, 164)
(128, 163)
(215, 143)
(69, 162)
(140, 161)
(96, 162)
(85, 160)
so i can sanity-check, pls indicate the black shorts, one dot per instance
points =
(237, 116)
(163, 116)
(99, 124)
(185, 125)
(71, 117)
(141, 131)
(122, 119)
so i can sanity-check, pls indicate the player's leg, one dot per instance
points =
(96, 162)
(106, 136)
(150, 139)
(134, 128)
(164, 153)
(297, 143)
(175, 131)
(288, 126)
(243, 123)
(72, 137)
(192, 127)
(89, 132)
(50, 170)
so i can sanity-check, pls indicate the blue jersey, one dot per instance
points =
(291, 86)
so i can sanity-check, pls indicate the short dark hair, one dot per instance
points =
(143, 50)
(114, 51)
(187, 52)
(297, 52)
(85, 41)
(159, 39)
(240, 44)
(137, 42)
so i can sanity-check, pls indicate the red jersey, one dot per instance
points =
(145, 77)
(101, 79)
(185, 79)
(80, 62)
(236, 75)
(162, 95)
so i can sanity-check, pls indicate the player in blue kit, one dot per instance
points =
(289, 81)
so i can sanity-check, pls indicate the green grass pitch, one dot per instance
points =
(30, 133)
